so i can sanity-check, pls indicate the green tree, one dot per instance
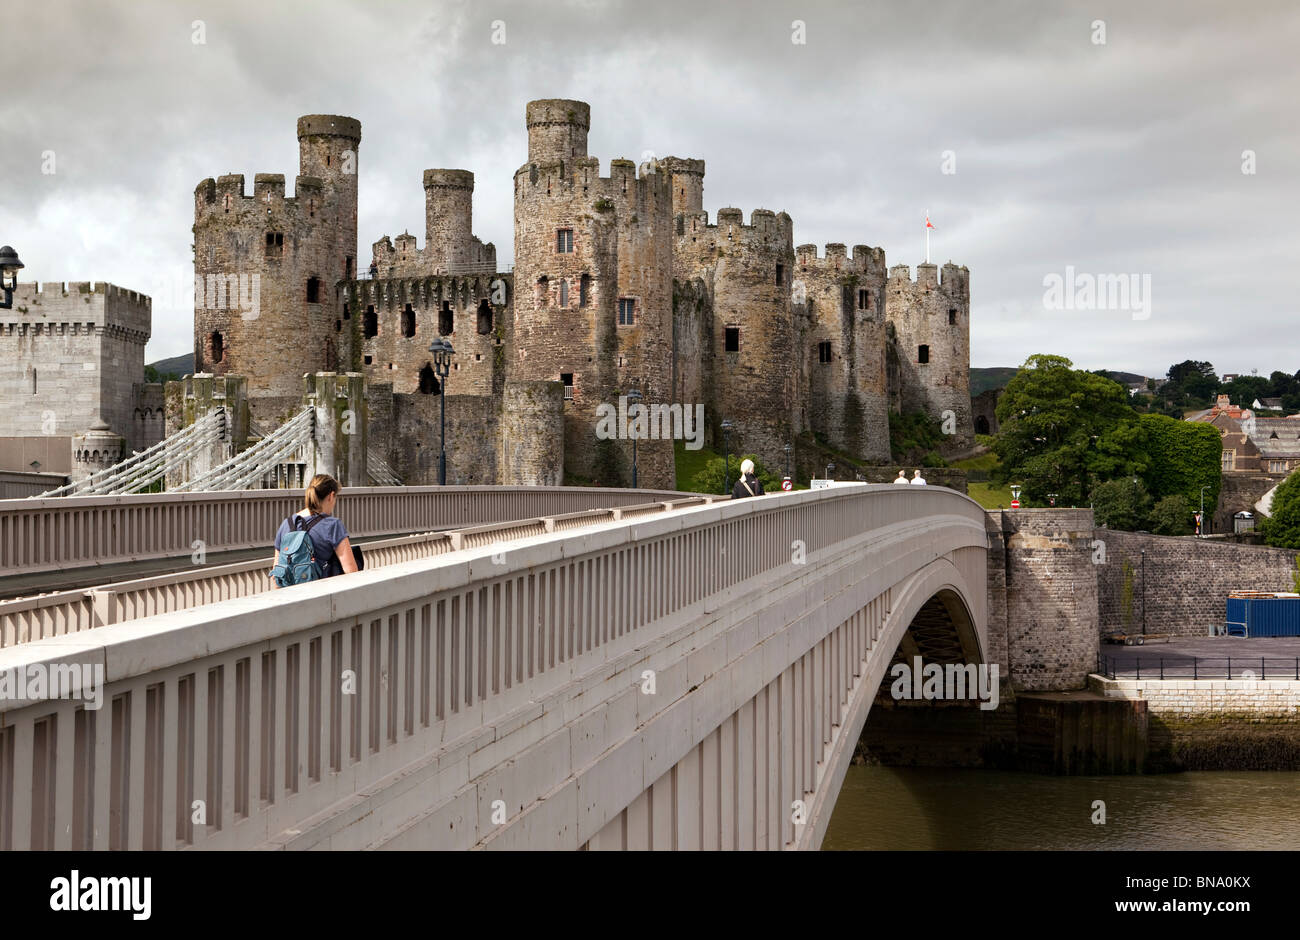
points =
(1063, 429)
(1282, 527)
(711, 478)
(914, 438)
(1182, 456)
(1121, 504)
(1171, 516)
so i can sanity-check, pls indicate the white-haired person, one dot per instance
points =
(901, 478)
(748, 484)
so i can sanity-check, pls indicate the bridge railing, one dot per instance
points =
(58, 533)
(255, 714)
(27, 619)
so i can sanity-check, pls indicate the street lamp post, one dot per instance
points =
(726, 458)
(1051, 498)
(9, 267)
(830, 468)
(1200, 517)
(1144, 592)
(788, 451)
(633, 398)
(442, 353)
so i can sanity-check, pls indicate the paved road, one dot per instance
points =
(1266, 657)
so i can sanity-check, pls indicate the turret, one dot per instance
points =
(557, 130)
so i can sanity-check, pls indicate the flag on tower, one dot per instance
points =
(928, 225)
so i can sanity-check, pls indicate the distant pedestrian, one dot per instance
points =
(901, 478)
(748, 484)
(917, 479)
(325, 550)
(374, 269)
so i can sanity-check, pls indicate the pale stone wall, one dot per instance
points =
(69, 355)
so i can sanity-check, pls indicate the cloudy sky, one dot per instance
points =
(1111, 147)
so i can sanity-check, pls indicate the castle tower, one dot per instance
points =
(747, 271)
(448, 208)
(688, 183)
(267, 266)
(557, 130)
(842, 347)
(593, 290)
(930, 320)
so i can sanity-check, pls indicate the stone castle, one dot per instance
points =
(620, 283)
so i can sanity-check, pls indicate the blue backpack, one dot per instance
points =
(296, 563)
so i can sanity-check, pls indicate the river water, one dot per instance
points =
(924, 808)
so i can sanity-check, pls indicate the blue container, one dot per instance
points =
(1265, 616)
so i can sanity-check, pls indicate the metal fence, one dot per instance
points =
(1198, 667)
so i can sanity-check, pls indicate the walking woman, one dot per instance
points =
(326, 550)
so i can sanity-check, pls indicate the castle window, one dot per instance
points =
(371, 322)
(313, 290)
(626, 311)
(446, 320)
(780, 275)
(33, 381)
(429, 384)
(408, 322)
(922, 353)
(584, 290)
(952, 317)
(564, 292)
(484, 317)
(567, 379)
(369, 359)
(274, 243)
(1228, 457)
(731, 339)
(824, 351)
(338, 326)
(864, 300)
(348, 273)
(543, 295)
(564, 241)
(218, 348)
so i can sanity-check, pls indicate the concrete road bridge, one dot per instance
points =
(675, 672)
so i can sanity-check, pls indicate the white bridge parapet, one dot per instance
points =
(689, 679)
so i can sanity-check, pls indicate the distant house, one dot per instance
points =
(1240, 454)
(1229, 377)
(1277, 440)
(1267, 404)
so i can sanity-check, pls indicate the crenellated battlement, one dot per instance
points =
(227, 193)
(864, 261)
(767, 232)
(955, 281)
(38, 292)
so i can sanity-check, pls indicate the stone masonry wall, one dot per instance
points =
(473, 432)
(70, 355)
(1051, 597)
(1187, 580)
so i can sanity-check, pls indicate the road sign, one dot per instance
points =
(787, 484)
(1015, 504)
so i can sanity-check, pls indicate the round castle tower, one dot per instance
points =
(842, 348)
(266, 267)
(748, 271)
(931, 325)
(593, 291)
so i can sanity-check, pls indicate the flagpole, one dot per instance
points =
(927, 236)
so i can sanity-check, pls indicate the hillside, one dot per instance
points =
(981, 380)
(176, 365)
